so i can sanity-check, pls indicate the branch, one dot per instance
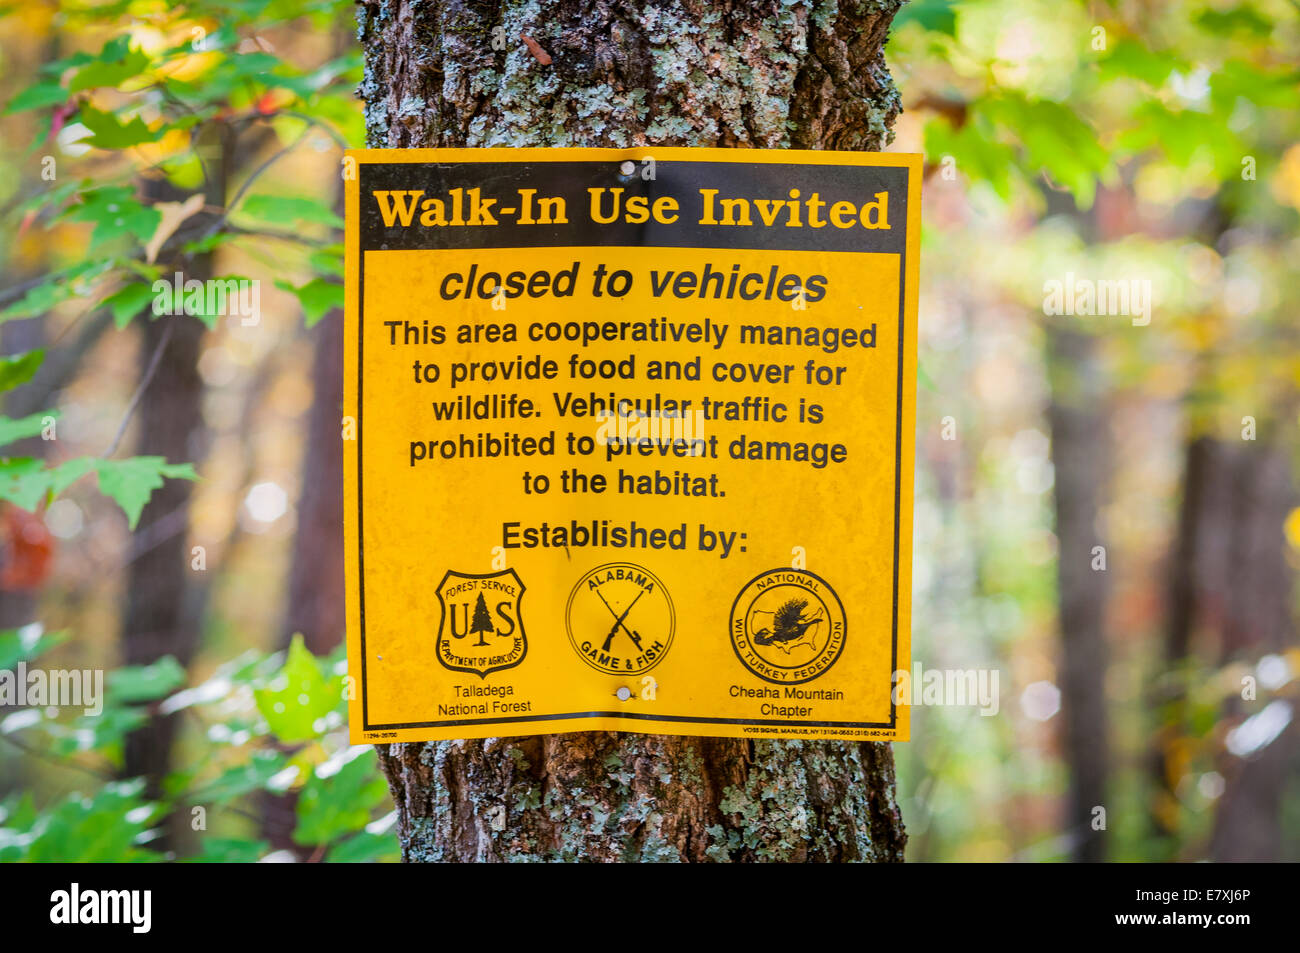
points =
(59, 368)
(253, 177)
(63, 763)
(330, 130)
(282, 236)
(144, 383)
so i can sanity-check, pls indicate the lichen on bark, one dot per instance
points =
(607, 796)
(763, 74)
(767, 74)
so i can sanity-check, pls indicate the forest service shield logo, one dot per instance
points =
(482, 628)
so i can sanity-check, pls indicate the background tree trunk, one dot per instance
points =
(316, 606)
(1249, 823)
(165, 599)
(765, 74)
(1079, 452)
(1230, 597)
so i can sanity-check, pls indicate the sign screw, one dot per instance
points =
(623, 693)
(628, 167)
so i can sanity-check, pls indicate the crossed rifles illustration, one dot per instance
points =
(618, 622)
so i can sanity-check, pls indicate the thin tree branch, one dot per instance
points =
(51, 759)
(59, 368)
(253, 177)
(144, 383)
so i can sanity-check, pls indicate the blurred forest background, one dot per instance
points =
(1106, 514)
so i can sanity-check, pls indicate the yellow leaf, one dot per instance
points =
(1292, 528)
(173, 214)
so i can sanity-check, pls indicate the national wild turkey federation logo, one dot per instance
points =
(482, 630)
(787, 626)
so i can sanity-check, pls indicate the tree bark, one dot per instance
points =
(1230, 598)
(762, 74)
(315, 606)
(1249, 824)
(1079, 441)
(165, 598)
(163, 610)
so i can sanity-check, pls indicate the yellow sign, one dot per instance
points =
(629, 441)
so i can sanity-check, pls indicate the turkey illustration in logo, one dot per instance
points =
(787, 626)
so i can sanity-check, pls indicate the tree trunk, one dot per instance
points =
(1079, 440)
(1231, 584)
(675, 72)
(317, 606)
(162, 612)
(165, 597)
(1249, 823)
(316, 590)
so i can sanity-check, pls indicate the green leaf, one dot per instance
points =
(1235, 80)
(39, 299)
(111, 72)
(243, 778)
(17, 817)
(69, 472)
(127, 302)
(132, 481)
(19, 368)
(26, 644)
(108, 132)
(339, 803)
(215, 298)
(104, 828)
(1179, 134)
(1055, 140)
(253, 64)
(327, 261)
(316, 297)
(979, 157)
(143, 683)
(937, 16)
(229, 850)
(206, 243)
(18, 811)
(115, 212)
(925, 379)
(289, 210)
(60, 66)
(104, 733)
(57, 196)
(23, 427)
(1130, 58)
(297, 696)
(40, 96)
(1242, 19)
(364, 848)
(24, 481)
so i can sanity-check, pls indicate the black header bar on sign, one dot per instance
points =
(686, 205)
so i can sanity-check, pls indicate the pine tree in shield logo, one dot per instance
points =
(482, 629)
